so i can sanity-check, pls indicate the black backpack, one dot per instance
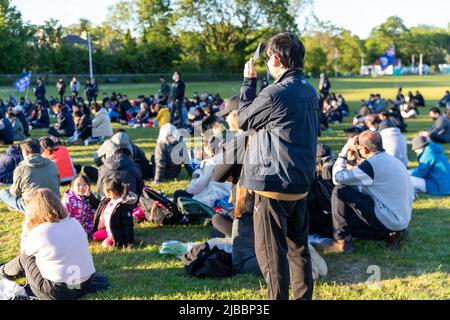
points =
(159, 209)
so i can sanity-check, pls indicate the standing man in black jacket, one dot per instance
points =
(280, 165)
(177, 98)
(39, 91)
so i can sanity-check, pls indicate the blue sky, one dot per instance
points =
(360, 16)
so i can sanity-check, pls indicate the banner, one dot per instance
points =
(23, 83)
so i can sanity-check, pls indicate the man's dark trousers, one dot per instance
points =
(354, 214)
(281, 245)
(177, 106)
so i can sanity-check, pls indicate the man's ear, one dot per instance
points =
(276, 62)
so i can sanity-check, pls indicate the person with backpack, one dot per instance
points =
(52, 245)
(113, 221)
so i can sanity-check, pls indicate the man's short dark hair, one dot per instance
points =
(31, 146)
(435, 110)
(288, 48)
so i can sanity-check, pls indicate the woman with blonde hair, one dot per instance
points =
(55, 257)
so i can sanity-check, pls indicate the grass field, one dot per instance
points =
(419, 271)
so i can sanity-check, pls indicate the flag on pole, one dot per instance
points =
(388, 59)
(23, 83)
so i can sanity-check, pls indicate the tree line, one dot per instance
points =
(152, 36)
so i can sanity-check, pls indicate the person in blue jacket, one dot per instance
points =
(8, 162)
(433, 174)
(6, 131)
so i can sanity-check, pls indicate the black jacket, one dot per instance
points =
(122, 168)
(178, 90)
(121, 223)
(43, 117)
(40, 92)
(164, 166)
(282, 152)
(231, 166)
(65, 124)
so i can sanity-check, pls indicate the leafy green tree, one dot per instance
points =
(14, 36)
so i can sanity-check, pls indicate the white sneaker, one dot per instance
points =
(86, 142)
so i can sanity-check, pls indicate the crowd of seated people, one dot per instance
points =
(374, 158)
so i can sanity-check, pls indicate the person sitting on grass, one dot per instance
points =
(52, 244)
(8, 162)
(81, 203)
(60, 156)
(121, 166)
(19, 114)
(163, 115)
(433, 174)
(420, 100)
(141, 118)
(101, 124)
(445, 101)
(19, 131)
(202, 188)
(408, 109)
(440, 132)
(170, 153)
(34, 172)
(113, 221)
(65, 127)
(372, 201)
(39, 117)
(83, 127)
(6, 131)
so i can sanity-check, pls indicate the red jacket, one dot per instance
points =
(61, 157)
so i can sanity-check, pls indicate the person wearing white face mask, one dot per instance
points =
(279, 167)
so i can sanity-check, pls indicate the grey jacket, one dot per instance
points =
(441, 129)
(34, 173)
(386, 180)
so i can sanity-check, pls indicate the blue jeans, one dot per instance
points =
(10, 201)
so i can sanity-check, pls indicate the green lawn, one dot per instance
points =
(419, 271)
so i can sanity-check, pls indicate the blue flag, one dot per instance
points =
(23, 83)
(388, 59)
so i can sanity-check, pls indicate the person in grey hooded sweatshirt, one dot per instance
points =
(34, 172)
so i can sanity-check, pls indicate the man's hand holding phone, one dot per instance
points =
(250, 70)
